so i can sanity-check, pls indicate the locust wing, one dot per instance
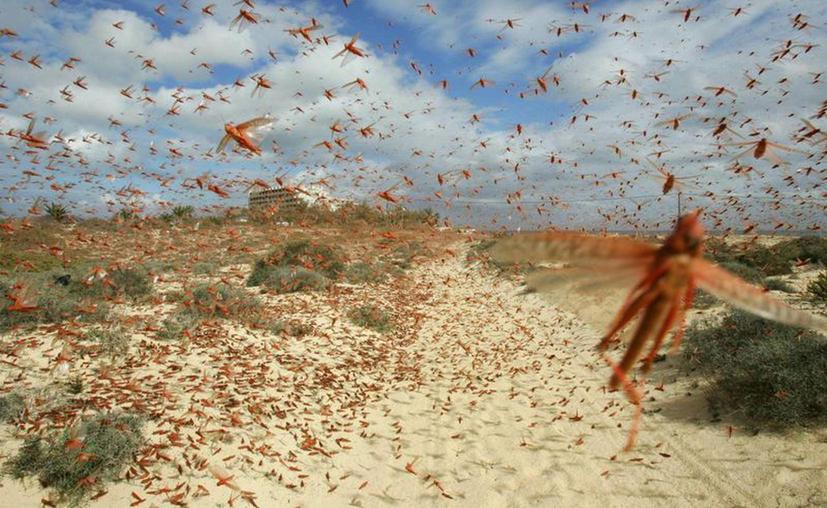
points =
(739, 293)
(223, 143)
(571, 247)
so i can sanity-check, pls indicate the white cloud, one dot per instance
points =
(423, 132)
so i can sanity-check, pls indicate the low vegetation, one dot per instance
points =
(369, 273)
(223, 301)
(775, 260)
(11, 407)
(817, 288)
(53, 304)
(353, 215)
(371, 317)
(298, 265)
(291, 328)
(57, 212)
(286, 279)
(767, 374)
(119, 282)
(77, 462)
(112, 342)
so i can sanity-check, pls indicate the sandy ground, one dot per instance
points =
(484, 397)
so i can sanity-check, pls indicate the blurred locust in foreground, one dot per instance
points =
(670, 275)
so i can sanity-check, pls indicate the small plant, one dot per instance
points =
(205, 268)
(222, 301)
(404, 255)
(133, 283)
(291, 328)
(126, 214)
(770, 374)
(57, 212)
(286, 279)
(181, 212)
(310, 255)
(54, 303)
(75, 385)
(818, 287)
(364, 273)
(113, 342)
(778, 285)
(11, 407)
(372, 317)
(79, 461)
(176, 326)
(748, 273)
(809, 248)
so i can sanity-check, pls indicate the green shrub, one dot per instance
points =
(778, 285)
(818, 287)
(372, 317)
(365, 273)
(719, 250)
(220, 301)
(55, 303)
(770, 374)
(113, 342)
(748, 273)
(11, 406)
(811, 248)
(107, 442)
(133, 283)
(174, 327)
(767, 260)
(205, 268)
(775, 260)
(286, 279)
(309, 255)
(181, 212)
(404, 255)
(57, 212)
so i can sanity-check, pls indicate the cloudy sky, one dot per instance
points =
(574, 126)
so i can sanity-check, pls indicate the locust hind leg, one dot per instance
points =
(674, 313)
(634, 396)
(628, 313)
(655, 315)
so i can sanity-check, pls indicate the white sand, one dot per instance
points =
(497, 400)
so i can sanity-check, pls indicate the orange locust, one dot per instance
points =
(350, 49)
(18, 304)
(304, 31)
(239, 134)
(662, 296)
(34, 140)
(244, 17)
(763, 147)
(669, 179)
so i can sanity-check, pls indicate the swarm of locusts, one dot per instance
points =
(663, 295)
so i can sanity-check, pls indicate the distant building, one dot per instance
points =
(279, 198)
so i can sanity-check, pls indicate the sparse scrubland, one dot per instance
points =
(103, 297)
(141, 322)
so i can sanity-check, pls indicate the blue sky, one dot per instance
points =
(580, 159)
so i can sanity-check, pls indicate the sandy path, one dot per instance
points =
(512, 412)
(487, 397)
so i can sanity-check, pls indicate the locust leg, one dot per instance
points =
(628, 313)
(654, 315)
(687, 304)
(633, 395)
(673, 313)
